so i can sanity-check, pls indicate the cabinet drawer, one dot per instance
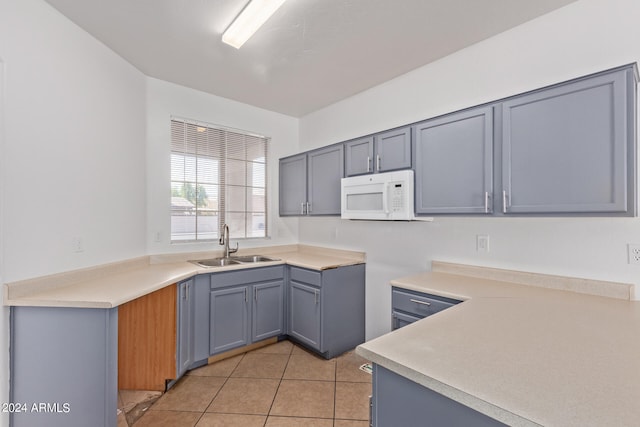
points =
(418, 303)
(401, 319)
(306, 276)
(241, 277)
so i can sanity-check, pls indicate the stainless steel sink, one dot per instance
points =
(249, 259)
(222, 262)
(215, 262)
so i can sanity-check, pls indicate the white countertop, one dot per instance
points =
(115, 284)
(524, 355)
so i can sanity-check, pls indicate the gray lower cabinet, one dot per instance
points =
(185, 339)
(398, 401)
(454, 163)
(408, 306)
(229, 319)
(310, 182)
(201, 327)
(64, 367)
(570, 148)
(245, 306)
(267, 314)
(384, 152)
(304, 313)
(326, 308)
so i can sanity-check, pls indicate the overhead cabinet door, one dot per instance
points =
(393, 150)
(326, 169)
(566, 148)
(293, 185)
(454, 163)
(359, 156)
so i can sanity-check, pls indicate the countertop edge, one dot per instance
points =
(457, 395)
(57, 290)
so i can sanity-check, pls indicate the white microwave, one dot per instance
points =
(380, 196)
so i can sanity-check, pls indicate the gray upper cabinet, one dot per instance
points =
(326, 169)
(454, 163)
(393, 150)
(293, 185)
(386, 151)
(359, 156)
(570, 148)
(310, 182)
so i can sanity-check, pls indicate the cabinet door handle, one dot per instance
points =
(378, 162)
(255, 294)
(368, 163)
(420, 302)
(302, 208)
(486, 202)
(245, 295)
(504, 201)
(308, 208)
(315, 296)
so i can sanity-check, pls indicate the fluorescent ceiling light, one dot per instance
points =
(249, 21)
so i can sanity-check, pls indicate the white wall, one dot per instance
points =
(75, 146)
(581, 38)
(4, 311)
(167, 99)
(73, 151)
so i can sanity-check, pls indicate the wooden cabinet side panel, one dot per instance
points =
(147, 341)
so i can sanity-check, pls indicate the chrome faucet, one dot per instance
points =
(224, 240)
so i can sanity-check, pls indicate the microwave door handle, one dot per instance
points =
(385, 199)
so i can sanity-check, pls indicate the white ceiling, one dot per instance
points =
(310, 54)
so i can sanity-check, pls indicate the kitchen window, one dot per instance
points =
(218, 176)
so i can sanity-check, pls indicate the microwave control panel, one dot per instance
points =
(397, 197)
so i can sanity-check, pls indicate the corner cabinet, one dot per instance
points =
(310, 182)
(570, 148)
(454, 163)
(321, 303)
(383, 152)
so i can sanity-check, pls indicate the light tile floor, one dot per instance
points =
(281, 385)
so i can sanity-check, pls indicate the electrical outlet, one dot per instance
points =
(634, 253)
(482, 243)
(78, 245)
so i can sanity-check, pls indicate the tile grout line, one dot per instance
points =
(279, 383)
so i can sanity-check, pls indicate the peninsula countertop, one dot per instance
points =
(111, 285)
(524, 355)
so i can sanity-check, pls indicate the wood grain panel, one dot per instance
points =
(147, 341)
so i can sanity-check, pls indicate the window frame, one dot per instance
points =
(233, 178)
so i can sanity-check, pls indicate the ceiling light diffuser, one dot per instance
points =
(249, 21)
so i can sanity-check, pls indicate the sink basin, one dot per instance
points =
(254, 258)
(222, 262)
(215, 262)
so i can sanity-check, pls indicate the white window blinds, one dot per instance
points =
(218, 176)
